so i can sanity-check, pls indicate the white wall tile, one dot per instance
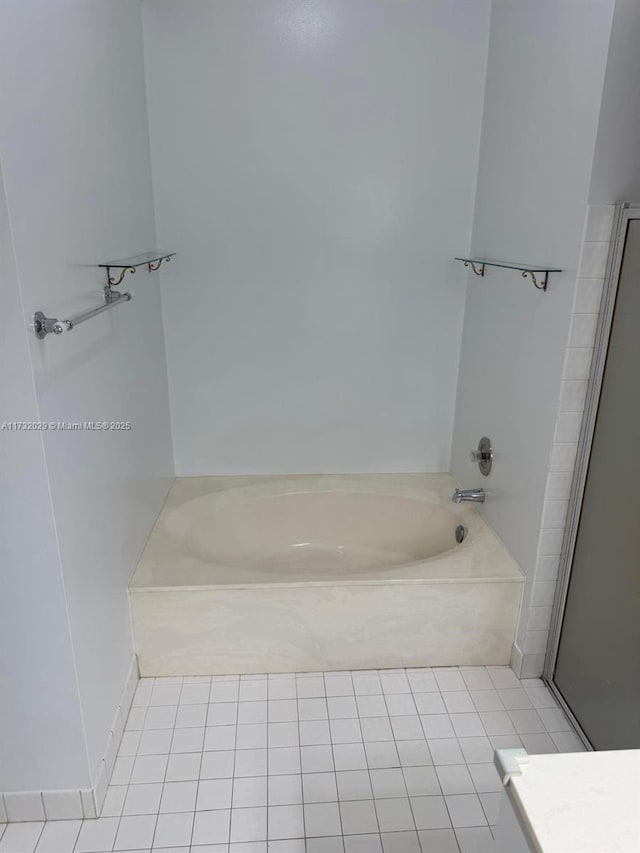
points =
(577, 363)
(558, 486)
(539, 618)
(572, 396)
(542, 594)
(583, 330)
(550, 542)
(588, 296)
(3, 812)
(24, 806)
(568, 427)
(593, 260)
(547, 568)
(554, 513)
(532, 666)
(599, 223)
(563, 456)
(62, 805)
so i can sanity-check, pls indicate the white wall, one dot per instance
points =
(314, 166)
(75, 156)
(41, 736)
(544, 86)
(616, 167)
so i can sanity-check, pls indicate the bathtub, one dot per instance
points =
(320, 573)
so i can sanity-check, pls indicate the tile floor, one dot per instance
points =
(394, 761)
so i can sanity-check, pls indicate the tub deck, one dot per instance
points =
(312, 609)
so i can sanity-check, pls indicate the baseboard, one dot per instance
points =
(516, 660)
(17, 806)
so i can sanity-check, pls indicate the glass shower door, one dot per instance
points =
(597, 669)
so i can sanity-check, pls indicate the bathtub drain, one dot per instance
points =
(461, 532)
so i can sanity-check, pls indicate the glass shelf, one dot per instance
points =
(528, 270)
(152, 260)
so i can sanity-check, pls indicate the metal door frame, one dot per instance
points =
(625, 212)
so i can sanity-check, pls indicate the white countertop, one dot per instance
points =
(583, 802)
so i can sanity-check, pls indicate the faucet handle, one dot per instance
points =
(483, 455)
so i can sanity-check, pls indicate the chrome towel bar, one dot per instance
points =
(43, 326)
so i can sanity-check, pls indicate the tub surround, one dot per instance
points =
(418, 599)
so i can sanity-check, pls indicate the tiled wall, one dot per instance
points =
(529, 660)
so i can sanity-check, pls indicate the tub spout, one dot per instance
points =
(473, 495)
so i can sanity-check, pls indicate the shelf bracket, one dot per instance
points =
(478, 271)
(153, 267)
(113, 282)
(539, 285)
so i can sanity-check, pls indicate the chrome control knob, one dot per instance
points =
(483, 456)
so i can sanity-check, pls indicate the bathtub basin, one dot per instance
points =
(318, 573)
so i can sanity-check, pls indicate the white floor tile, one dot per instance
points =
(173, 830)
(316, 759)
(502, 676)
(322, 819)
(486, 700)
(430, 813)
(312, 709)
(287, 846)
(313, 733)
(215, 794)
(421, 781)
(349, 756)
(224, 691)
(251, 762)
(187, 740)
(407, 727)
(122, 770)
(249, 824)
(438, 841)
(376, 729)
(437, 726)
(180, 797)
(367, 685)
(414, 753)
(218, 738)
(465, 810)
(371, 706)
(476, 750)
(211, 827)
(155, 742)
(449, 680)
(345, 731)
(149, 768)
(319, 788)
(527, 721)
(114, 801)
(59, 836)
(358, 816)
(286, 821)
(538, 744)
(143, 799)
(363, 844)
(285, 790)
(458, 702)
(161, 717)
(310, 687)
(394, 682)
(194, 694)
(445, 751)
(282, 710)
(455, 779)
(400, 842)
(383, 754)
(423, 681)
(252, 712)
(191, 716)
(342, 707)
(249, 792)
(253, 691)
(567, 742)
(254, 736)
(215, 765)
(486, 779)
(395, 815)
(388, 783)
(497, 723)
(222, 714)
(354, 785)
(95, 836)
(135, 832)
(475, 840)
(282, 688)
(335, 844)
(284, 760)
(338, 685)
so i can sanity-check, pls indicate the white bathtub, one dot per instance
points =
(321, 573)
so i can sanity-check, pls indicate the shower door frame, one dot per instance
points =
(625, 211)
